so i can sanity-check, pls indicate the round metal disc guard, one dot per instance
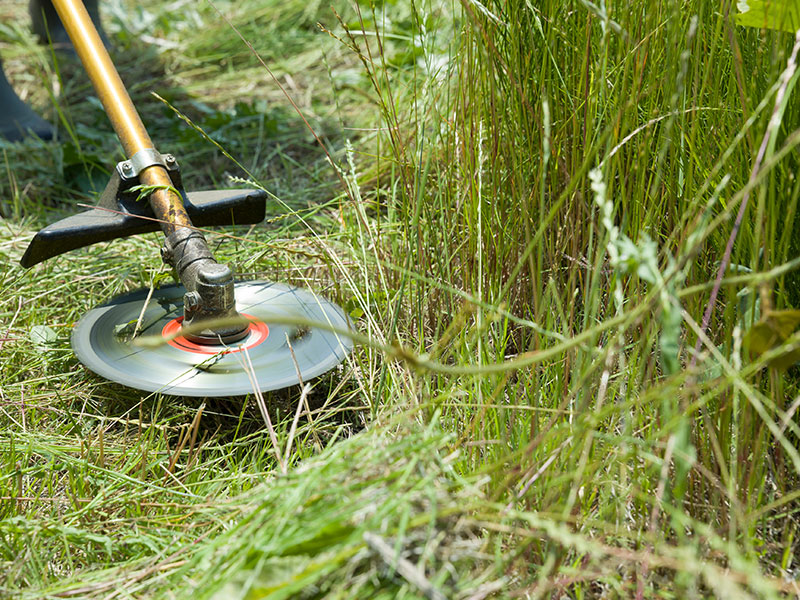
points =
(268, 357)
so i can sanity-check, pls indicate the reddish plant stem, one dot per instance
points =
(772, 128)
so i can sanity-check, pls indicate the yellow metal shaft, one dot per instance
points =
(124, 118)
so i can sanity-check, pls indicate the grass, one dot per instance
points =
(525, 207)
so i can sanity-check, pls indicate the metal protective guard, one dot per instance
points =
(216, 207)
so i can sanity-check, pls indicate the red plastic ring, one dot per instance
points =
(256, 334)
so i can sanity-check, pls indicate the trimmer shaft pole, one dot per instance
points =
(166, 204)
(209, 285)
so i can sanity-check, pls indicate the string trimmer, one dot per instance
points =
(254, 336)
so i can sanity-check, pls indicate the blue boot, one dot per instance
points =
(48, 26)
(17, 119)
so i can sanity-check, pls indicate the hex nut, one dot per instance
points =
(167, 256)
(191, 300)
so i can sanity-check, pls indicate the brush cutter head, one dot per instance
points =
(282, 347)
(216, 337)
(219, 360)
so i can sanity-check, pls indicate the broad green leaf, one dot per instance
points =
(125, 329)
(783, 15)
(771, 331)
(42, 336)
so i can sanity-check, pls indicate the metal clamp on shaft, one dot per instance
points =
(149, 157)
(209, 285)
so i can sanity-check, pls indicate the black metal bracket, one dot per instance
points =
(120, 213)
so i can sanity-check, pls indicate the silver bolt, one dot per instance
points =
(126, 166)
(170, 159)
(166, 255)
(191, 300)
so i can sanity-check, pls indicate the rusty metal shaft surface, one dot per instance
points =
(167, 205)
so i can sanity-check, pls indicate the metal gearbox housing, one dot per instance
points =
(209, 287)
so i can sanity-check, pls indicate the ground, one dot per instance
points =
(524, 208)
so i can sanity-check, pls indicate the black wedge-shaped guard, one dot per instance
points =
(120, 213)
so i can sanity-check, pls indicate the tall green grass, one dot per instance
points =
(568, 182)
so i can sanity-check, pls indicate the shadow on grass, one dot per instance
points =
(230, 421)
(46, 180)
